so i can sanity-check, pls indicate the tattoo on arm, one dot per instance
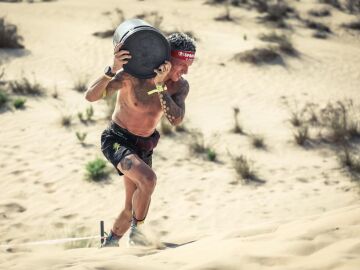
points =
(174, 106)
(126, 164)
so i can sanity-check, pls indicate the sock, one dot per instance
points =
(114, 235)
(135, 221)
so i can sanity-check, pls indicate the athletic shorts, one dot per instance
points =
(118, 142)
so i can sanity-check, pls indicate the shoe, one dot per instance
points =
(111, 240)
(136, 237)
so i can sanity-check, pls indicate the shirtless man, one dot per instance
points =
(129, 140)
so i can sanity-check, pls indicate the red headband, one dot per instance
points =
(183, 55)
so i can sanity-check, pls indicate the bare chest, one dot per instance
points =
(141, 99)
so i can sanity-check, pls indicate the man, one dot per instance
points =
(129, 140)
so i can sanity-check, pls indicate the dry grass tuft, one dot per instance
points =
(283, 42)
(355, 25)
(317, 26)
(257, 141)
(237, 127)
(9, 37)
(116, 17)
(258, 56)
(26, 88)
(243, 168)
(319, 12)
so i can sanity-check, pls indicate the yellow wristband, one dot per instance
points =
(159, 88)
(104, 94)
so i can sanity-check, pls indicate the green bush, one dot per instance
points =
(96, 170)
(4, 98)
(89, 113)
(81, 136)
(19, 103)
(211, 154)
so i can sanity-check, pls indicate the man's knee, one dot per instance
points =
(148, 182)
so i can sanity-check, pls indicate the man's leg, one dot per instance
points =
(123, 221)
(145, 180)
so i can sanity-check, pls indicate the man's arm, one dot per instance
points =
(104, 85)
(174, 106)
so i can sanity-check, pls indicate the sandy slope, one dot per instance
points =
(44, 194)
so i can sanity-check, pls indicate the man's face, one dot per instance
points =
(178, 68)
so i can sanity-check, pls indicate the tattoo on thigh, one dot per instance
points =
(126, 164)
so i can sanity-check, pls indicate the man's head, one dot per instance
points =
(183, 50)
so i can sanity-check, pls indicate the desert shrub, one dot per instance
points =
(257, 141)
(66, 120)
(211, 154)
(19, 103)
(338, 118)
(337, 122)
(116, 18)
(80, 85)
(353, 6)
(89, 113)
(243, 168)
(275, 13)
(96, 170)
(237, 127)
(26, 88)
(4, 99)
(258, 56)
(317, 26)
(319, 12)
(295, 119)
(350, 160)
(283, 42)
(81, 136)
(320, 35)
(334, 3)
(226, 16)
(197, 144)
(301, 135)
(9, 37)
(198, 147)
(55, 94)
(153, 17)
(355, 25)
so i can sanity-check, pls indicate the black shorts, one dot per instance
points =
(118, 142)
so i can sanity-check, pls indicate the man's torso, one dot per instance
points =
(136, 110)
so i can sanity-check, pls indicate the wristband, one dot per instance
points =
(159, 88)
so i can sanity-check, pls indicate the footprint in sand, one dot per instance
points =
(70, 216)
(59, 225)
(13, 208)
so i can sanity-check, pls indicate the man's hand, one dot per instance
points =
(162, 72)
(120, 57)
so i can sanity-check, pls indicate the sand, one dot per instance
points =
(306, 214)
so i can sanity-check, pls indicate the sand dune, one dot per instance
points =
(306, 214)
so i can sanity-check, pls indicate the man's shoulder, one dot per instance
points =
(182, 86)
